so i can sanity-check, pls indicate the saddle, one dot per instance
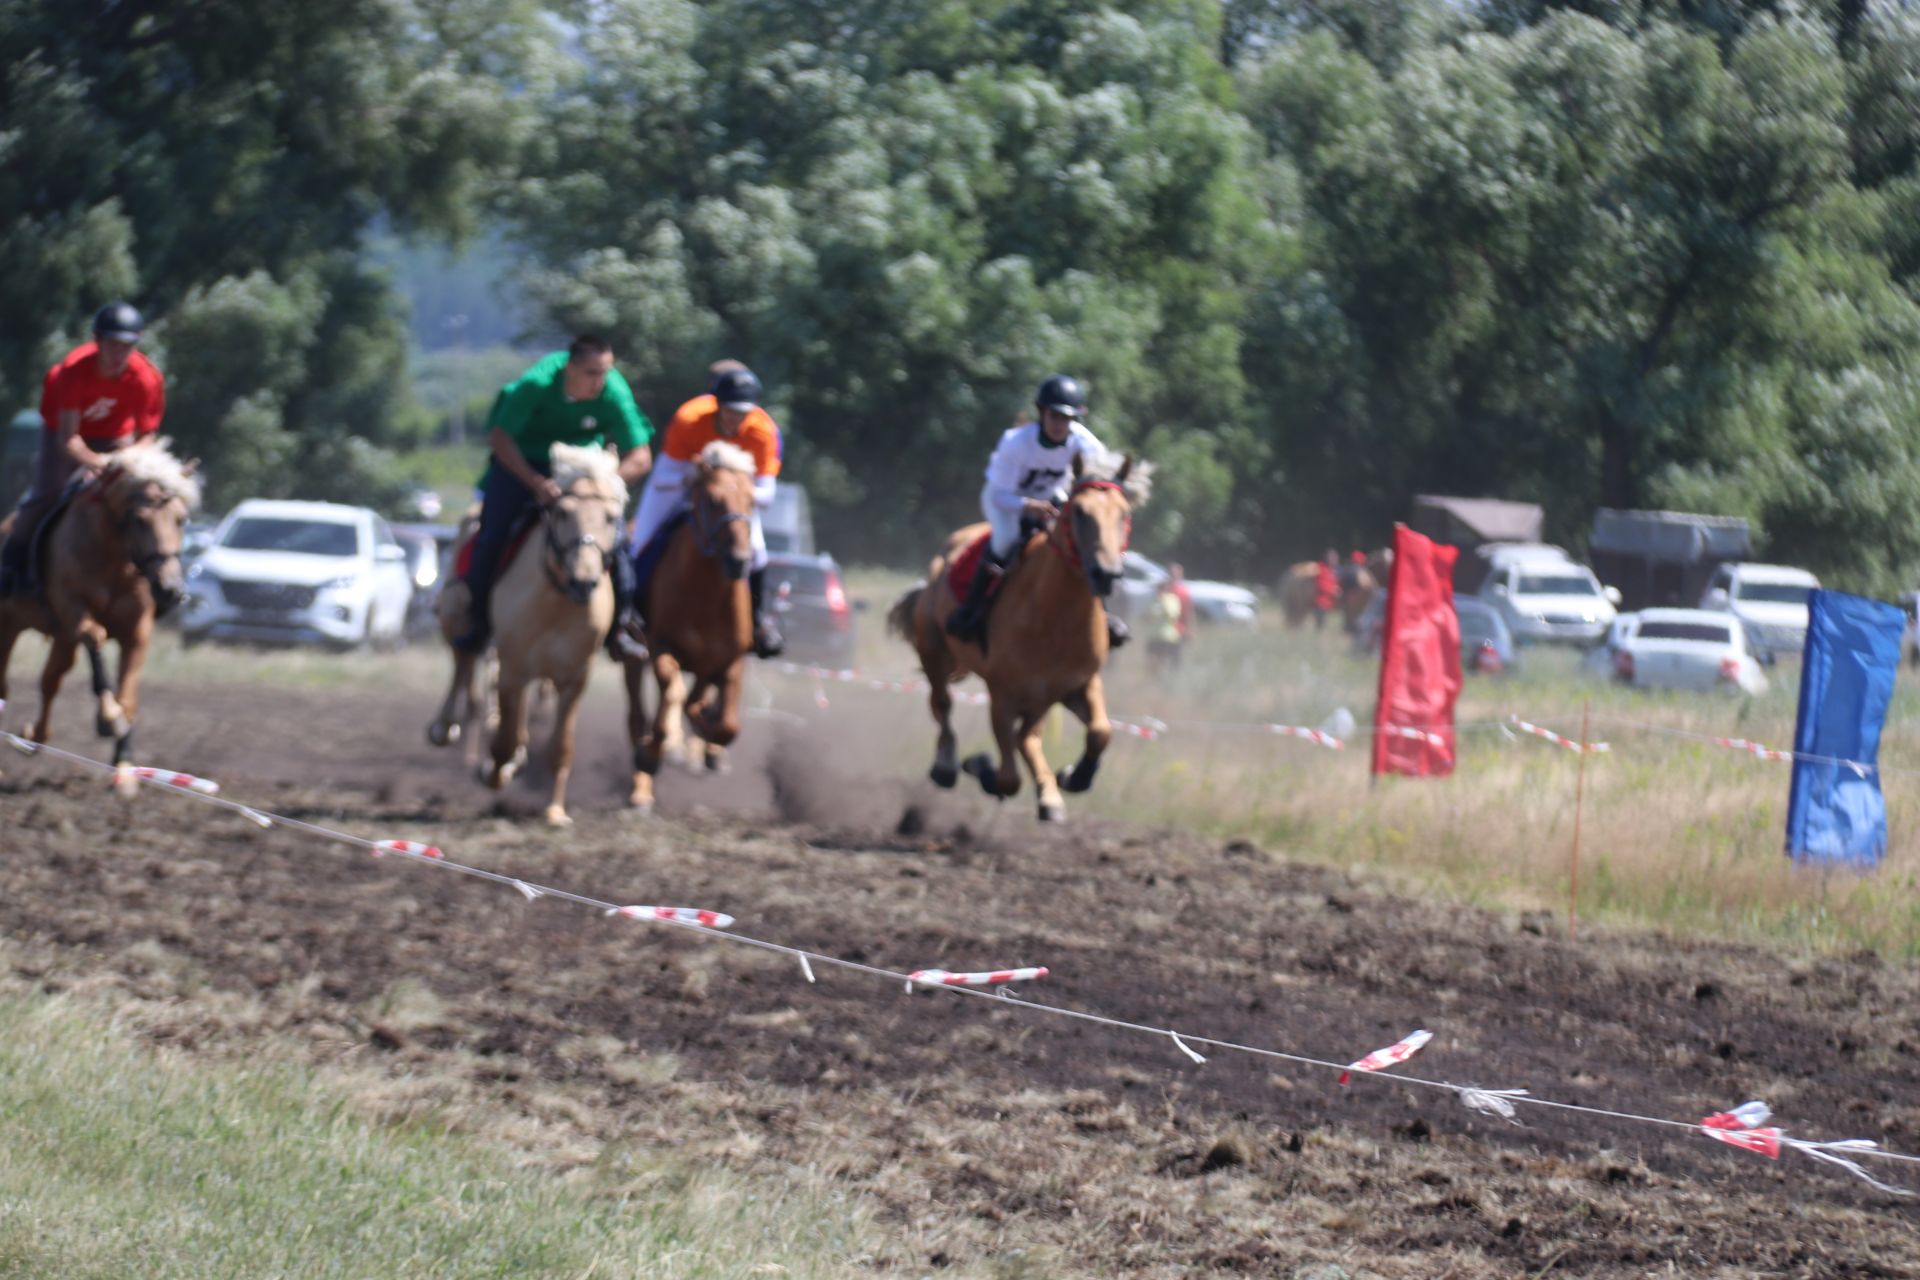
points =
(463, 554)
(38, 535)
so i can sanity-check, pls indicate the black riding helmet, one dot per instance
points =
(119, 322)
(738, 389)
(1062, 393)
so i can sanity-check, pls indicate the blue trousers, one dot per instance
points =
(503, 500)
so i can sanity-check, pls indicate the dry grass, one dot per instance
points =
(1676, 833)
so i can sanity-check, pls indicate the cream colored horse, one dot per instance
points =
(552, 607)
(1046, 637)
(112, 565)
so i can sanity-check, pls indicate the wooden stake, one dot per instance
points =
(1579, 802)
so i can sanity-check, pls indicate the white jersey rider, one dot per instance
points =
(1028, 479)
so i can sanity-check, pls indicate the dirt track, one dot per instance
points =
(982, 1131)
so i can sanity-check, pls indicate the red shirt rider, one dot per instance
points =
(114, 412)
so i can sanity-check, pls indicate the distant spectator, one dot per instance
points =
(1170, 621)
(1326, 588)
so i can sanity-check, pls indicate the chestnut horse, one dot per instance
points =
(111, 562)
(699, 619)
(552, 606)
(1046, 636)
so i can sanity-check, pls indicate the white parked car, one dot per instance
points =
(299, 571)
(1702, 649)
(1140, 580)
(1770, 599)
(1545, 597)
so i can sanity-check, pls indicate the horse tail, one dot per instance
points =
(900, 617)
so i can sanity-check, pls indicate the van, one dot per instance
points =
(788, 523)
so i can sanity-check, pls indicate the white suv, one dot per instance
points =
(289, 571)
(1545, 596)
(1769, 599)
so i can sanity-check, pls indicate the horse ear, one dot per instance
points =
(1126, 465)
(190, 467)
(1079, 464)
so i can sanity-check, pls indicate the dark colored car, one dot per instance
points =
(809, 603)
(429, 549)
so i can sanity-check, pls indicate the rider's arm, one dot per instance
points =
(763, 490)
(506, 451)
(68, 430)
(634, 465)
(1003, 475)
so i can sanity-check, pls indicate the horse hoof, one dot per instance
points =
(557, 817)
(1053, 812)
(981, 769)
(126, 783)
(105, 728)
(944, 776)
(674, 756)
(1080, 777)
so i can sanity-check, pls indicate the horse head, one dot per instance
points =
(720, 493)
(583, 523)
(148, 495)
(1099, 516)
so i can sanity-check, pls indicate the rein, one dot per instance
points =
(1061, 538)
(147, 566)
(708, 531)
(559, 552)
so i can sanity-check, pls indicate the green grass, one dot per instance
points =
(116, 1162)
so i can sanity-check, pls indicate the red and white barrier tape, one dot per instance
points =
(1324, 739)
(1755, 749)
(168, 778)
(1555, 738)
(681, 915)
(984, 978)
(1500, 1102)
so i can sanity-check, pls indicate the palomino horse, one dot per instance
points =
(550, 612)
(112, 566)
(1046, 637)
(699, 620)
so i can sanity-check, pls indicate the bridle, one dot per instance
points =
(560, 553)
(149, 565)
(709, 528)
(1061, 538)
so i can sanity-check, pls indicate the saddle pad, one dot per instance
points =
(965, 565)
(463, 556)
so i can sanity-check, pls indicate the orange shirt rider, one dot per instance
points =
(695, 425)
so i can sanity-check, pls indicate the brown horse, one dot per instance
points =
(550, 612)
(1046, 636)
(112, 566)
(699, 619)
(1298, 587)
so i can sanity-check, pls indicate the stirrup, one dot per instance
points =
(767, 642)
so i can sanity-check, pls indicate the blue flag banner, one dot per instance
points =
(1835, 811)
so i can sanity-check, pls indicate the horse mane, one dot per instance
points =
(155, 464)
(1138, 486)
(722, 456)
(573, 462)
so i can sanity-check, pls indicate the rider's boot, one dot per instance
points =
(628, 637)
(968, 620)
(478, 633)
(767, 640)
(1118, 633)
(13, 565)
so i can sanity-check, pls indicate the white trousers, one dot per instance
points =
(1006, 527)
(666, 496)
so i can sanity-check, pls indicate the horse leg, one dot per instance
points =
(560, 749)
(671, 722)
(1090, 704)
(938, 666)
(510, 736)
(59, 661)
(110, 718)
(133, 657)
(1052, 807)
(1005, 780)
(719, 720)
(9, 632)
(635, 675)
(447, 725)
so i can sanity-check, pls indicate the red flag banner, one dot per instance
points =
(1419, 661)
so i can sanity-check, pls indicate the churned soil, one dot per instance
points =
(990, 1138)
